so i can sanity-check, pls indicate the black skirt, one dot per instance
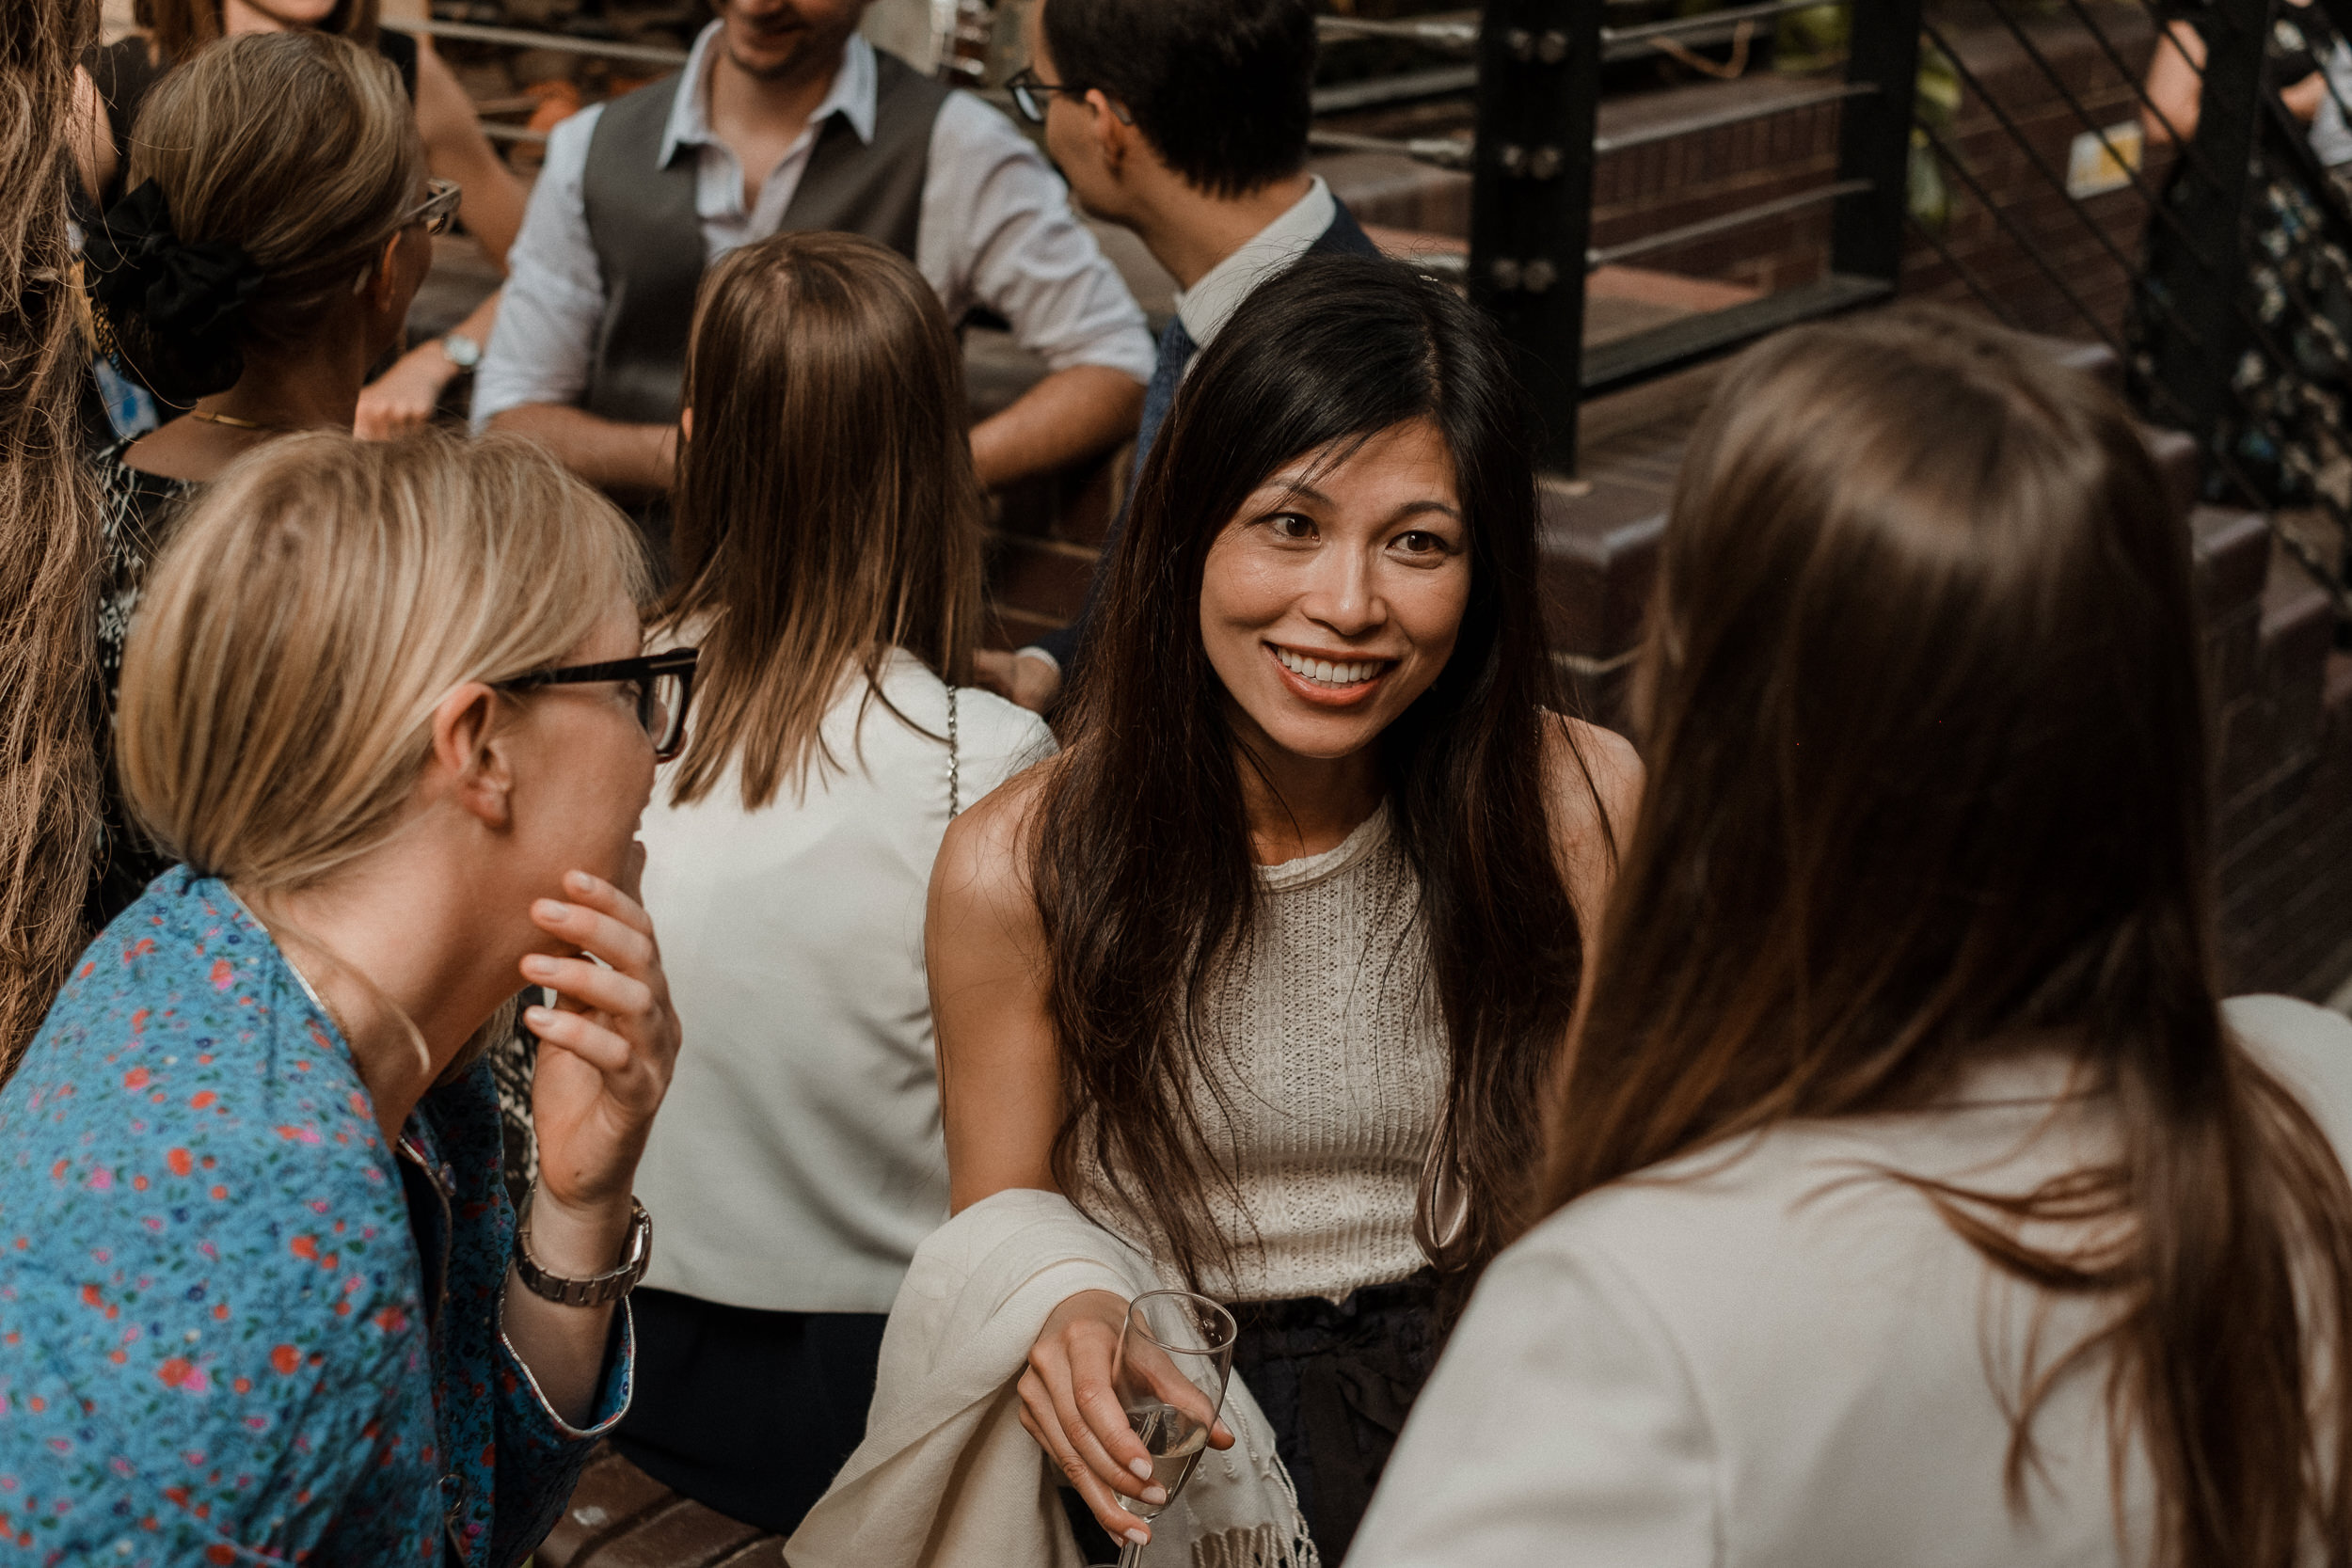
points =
(751, 1413)
(1335, 1382)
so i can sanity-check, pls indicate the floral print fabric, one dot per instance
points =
(234, 1327)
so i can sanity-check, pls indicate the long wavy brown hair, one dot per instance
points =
(48, 529)
(1928, 771)
(1140, 857)
(827, 509)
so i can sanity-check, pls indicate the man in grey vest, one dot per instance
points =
(784, 117)
(1185, 121)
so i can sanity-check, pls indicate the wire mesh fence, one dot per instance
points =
(2205, 237)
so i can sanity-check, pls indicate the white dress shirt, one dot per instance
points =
(994, 228)
(1208, 305)
(796, 1163)
(1775, 1357)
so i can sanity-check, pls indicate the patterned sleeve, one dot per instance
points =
(540, 1456)
(209, 1306)
(517, 1451)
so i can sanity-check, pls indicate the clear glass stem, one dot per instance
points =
(1130, 1554)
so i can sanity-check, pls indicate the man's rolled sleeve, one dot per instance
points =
(541, 349)
(997, 229)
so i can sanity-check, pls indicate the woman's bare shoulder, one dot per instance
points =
(1593, 777)
(1612, 765)
(984, 859)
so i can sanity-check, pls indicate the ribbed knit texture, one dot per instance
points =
(1332, 1063)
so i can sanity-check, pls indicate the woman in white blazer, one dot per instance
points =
(1912, 1197)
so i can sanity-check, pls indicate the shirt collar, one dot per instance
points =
(1209, 304)
(851, 96)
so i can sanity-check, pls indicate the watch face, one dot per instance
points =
(463, 351)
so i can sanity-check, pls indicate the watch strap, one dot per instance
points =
(597, 1291)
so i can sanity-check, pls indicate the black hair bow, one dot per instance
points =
(182, 304)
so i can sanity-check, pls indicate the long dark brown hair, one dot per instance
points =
(48, 545)
(827, 510)
(1140, 858)
(1929, 771)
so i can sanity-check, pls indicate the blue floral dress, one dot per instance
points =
(234, 1327)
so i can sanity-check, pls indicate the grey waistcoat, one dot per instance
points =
(649, 243)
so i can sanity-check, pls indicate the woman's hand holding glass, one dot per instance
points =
(1076, 1398)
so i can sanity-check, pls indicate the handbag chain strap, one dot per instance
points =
(955, 761)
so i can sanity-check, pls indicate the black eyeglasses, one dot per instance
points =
(664, 684)
(438, 210)
(1031, 93)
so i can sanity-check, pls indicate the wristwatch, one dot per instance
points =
(460, 350)
(610, 1285)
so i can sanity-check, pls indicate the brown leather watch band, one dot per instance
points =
(610, 1285)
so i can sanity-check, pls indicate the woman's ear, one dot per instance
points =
(686, 423)
(382, 282)
(470, 763)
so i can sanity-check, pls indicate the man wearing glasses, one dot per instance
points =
(784, 119)
(1184, 120)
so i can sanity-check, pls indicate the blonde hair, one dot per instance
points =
(299, 149)
(313, 607)
(827, 510)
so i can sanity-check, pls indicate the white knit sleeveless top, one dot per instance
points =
(1331, 1066)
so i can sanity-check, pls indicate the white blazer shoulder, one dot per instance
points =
(1783, 1356)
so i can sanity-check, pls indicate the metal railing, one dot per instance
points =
(1532, 165)
(2229, 333)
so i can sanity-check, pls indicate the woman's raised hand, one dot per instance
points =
(1069, 1405)
(607, 1047)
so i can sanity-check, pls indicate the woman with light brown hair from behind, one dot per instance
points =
(827, 553)
(278, 227)
(117, 80)
(1914, 1197)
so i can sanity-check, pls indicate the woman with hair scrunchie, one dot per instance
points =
(117, 80)
(184, 301)
(275, 232)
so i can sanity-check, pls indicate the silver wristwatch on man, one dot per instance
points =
(460, 350)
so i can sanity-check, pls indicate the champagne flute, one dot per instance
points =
(1174, 1357)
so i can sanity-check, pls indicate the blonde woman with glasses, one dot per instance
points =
(279, 226)
(262, 1293)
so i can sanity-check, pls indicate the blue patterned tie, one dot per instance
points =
(1176, 350)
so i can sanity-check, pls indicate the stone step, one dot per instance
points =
(620, 1517)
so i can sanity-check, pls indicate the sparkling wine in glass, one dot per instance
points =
(1173, 1360)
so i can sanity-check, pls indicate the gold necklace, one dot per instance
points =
(230, 420)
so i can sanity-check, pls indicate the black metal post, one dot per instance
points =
(2210, 197)
(1874, 139)
(1532, 195)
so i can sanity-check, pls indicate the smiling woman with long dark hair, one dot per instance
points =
(1267, 971)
